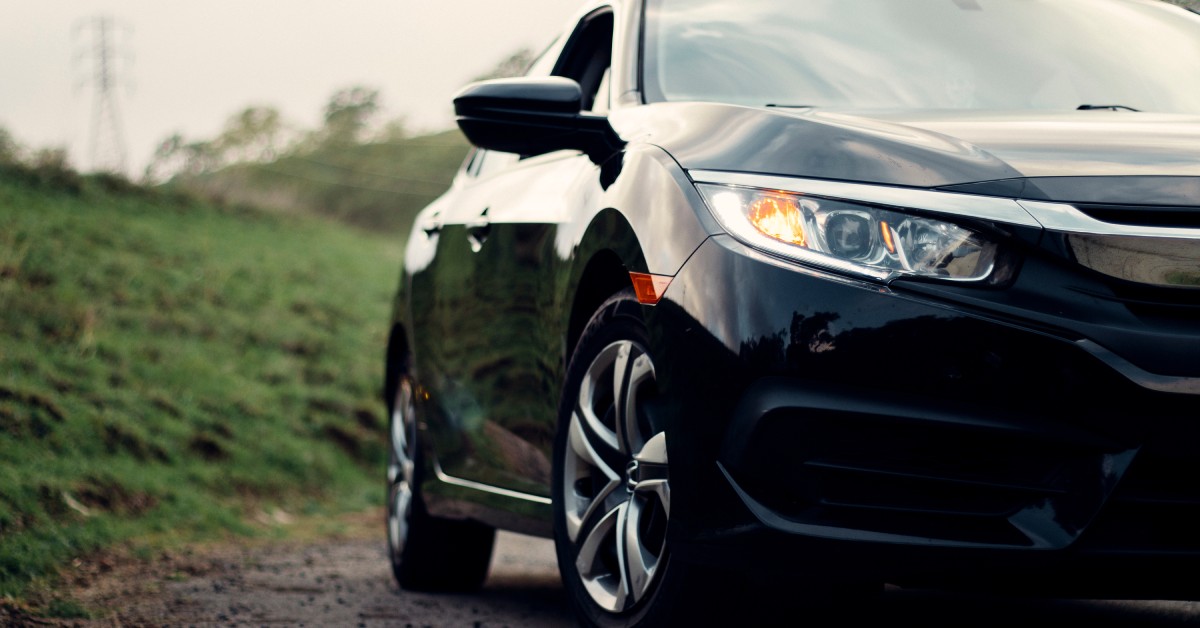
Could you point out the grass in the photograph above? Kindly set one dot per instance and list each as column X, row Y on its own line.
column 168, row 368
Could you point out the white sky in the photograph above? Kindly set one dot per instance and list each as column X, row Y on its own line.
column 196, row 62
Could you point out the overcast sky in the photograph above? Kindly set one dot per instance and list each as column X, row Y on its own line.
column 195, row 63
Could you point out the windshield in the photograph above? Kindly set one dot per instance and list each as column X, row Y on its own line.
column 925, row 54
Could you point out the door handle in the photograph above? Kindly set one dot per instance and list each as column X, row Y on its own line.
column 433, row 225
column 478, row 231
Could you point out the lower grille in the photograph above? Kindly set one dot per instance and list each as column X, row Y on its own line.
column 1156, row 507
column 957, row 482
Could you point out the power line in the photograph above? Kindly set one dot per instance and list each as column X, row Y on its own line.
column 107, row 150
column 440, row 184
column 332, row 181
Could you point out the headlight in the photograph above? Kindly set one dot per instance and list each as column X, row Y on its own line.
column 866, row 241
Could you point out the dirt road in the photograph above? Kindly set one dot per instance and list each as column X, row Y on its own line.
column 342, row 583
column 347, row 583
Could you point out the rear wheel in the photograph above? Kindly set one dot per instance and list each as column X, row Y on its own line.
column 427, row 553
column 612, row 492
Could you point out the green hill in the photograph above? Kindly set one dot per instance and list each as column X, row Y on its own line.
column 170, row 368
column 374, row 185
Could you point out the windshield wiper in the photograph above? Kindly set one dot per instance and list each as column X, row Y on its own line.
column 1105, row 107
column 771, row 104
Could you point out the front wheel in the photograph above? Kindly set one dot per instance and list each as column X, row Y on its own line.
column 612, row 485
column 613, row 510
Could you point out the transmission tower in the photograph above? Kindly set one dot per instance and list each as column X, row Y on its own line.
column 108, row 153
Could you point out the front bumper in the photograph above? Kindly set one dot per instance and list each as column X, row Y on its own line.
column 906, row 436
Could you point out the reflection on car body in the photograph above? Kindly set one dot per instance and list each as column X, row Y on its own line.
column 852, row 293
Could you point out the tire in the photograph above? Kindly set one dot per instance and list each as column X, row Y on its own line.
column 611, row 475
column 592, row 490
column 427, row 553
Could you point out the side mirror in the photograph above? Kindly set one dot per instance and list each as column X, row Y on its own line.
column 532, row 116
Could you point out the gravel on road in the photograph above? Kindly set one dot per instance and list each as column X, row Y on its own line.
column 346, row 581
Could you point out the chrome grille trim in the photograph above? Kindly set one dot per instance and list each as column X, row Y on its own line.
column 1066, row 218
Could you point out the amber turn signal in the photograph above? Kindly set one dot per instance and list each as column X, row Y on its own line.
column 886, row 231
column 649, row 288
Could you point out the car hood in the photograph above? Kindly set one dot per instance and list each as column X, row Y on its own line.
column 1081, row 156
column 1056, row 144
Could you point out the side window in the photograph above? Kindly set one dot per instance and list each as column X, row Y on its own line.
column 474, row 159
column 543, row 65
column 603, row 97
column 587, row 59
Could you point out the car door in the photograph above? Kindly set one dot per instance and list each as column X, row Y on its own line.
column 488, row 339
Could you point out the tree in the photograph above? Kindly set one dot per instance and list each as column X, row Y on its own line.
column 252, row 134
column 349, row 113
column 393, row 130
column 175, row 155
column 10, row 150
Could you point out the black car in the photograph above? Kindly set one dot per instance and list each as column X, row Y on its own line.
column 839, row 291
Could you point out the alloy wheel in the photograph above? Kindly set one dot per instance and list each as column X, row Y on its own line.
column 617, row 495
column 401, row 468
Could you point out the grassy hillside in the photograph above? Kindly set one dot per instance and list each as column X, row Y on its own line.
column 377, row 186
column 168, row 369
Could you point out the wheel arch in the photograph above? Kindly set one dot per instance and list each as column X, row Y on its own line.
column 604, row 275
column 607, row 251
column 397, row 361
column 653, row 220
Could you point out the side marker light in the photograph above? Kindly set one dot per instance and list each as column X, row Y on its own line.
column 649, row 288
